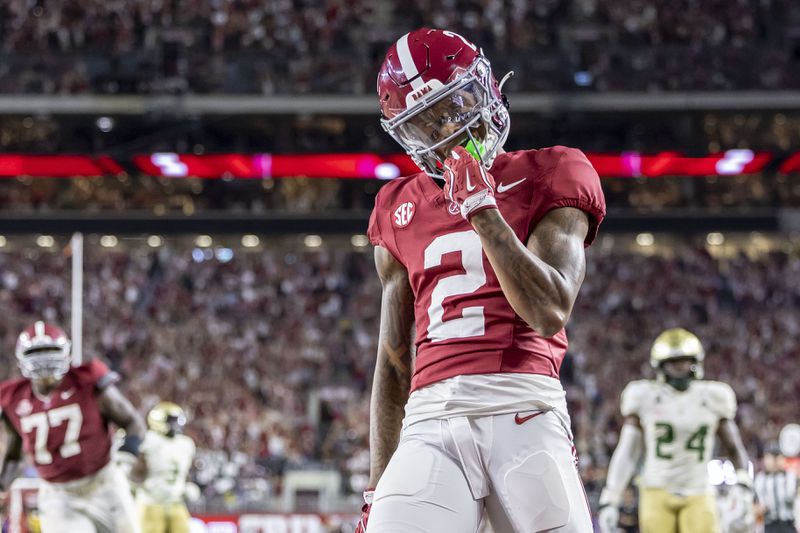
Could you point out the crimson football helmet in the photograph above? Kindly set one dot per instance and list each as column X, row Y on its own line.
column 437, row 91
column 43, row 352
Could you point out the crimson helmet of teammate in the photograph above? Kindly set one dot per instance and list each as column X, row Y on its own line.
column 441, row 70
column 43, row 352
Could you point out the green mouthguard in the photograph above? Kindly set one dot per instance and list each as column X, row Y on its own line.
column 476, row 149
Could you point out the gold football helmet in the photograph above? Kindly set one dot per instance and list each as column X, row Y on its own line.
column 677, row 343
column 166, row 418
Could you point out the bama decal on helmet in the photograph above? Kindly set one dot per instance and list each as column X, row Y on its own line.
column 429, row 87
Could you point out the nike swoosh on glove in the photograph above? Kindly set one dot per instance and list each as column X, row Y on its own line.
column 361, row 527
column 467, row 184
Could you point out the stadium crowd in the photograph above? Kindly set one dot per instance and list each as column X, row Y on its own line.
column 271, row 349
column 334, row 46
column 302, row 195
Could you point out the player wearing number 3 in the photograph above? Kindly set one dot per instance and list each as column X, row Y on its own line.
column 672, row 421
column 61, row 415
column 482, row 255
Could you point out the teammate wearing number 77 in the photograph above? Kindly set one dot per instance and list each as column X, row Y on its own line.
column 482, row 255
column 671, row 421
column 60, row 414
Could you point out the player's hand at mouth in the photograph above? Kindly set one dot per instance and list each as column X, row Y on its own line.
column 467, row 184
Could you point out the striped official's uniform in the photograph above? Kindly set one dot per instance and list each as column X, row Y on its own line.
column 776, row 492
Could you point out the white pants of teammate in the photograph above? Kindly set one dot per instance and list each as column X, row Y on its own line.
column 447, row 472
column 100, row 503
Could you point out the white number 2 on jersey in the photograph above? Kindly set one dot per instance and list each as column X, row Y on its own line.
column 41, row 424
column 471, row 323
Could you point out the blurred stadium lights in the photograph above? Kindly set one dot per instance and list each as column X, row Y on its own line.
column 715, row 238
column 250, row 241
column 105, row 124
column 359, row 241
column 645, row 239
column 108, row 241
column 204, row 241
column 154, row 241
column 45, row 241
column 312, row 241
column 387, row 171
column 223, row 254
column 583, row 78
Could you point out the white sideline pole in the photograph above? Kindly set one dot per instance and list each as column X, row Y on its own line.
column 77, row 298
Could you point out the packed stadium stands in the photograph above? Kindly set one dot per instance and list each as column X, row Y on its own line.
column 270, row 349
column 190, row 197
column 295, row 47
column 265, row 332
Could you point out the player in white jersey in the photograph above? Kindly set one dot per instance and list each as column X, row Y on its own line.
column 671, row 422
column 167, row 456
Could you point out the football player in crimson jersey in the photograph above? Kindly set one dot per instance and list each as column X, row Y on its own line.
column 60, row 415
column 482, row 255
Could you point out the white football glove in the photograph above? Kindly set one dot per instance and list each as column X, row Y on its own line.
column 608, row 519
column 742, row 497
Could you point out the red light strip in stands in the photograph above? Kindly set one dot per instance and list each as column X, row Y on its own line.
column 791, row 164
column 370, row 166
column 173, row 165
column 367, row 166
column 634, row 165
column 57, row 166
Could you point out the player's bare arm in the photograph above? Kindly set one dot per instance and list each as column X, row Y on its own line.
column 732, row 445
column 621, row 469
column 626, row 455
column 393, row 369
column 12, row 456
column 540, row 280
column 115, row 407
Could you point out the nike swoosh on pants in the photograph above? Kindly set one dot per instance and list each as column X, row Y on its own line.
column 522, row 419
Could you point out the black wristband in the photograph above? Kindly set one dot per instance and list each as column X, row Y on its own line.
column 131, row 444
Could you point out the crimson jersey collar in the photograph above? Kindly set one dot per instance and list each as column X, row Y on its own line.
column 65, row 385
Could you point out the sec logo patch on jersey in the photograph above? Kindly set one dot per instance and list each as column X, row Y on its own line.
column 403, row 214
column 24, row 407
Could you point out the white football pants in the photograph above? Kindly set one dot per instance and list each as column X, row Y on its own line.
column 446, row 473
column 100, row 503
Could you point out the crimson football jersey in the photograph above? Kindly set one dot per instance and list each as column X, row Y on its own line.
column 464, row 322
column 65, row 434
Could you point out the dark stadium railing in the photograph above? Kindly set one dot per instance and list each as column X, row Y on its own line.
column 686, row 221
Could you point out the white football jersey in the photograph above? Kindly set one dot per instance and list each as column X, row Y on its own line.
column 168, row 463
column 679, row 430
